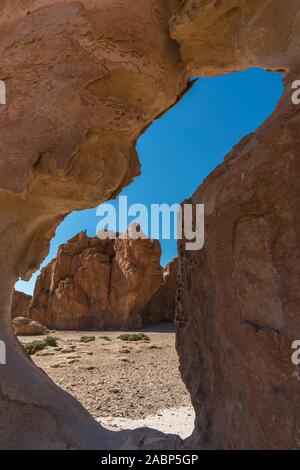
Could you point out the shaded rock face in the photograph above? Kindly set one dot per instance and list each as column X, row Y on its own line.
column 20, row 304
column 238, row 299
column 26, row 327
column 97, row 284
column 161, row 306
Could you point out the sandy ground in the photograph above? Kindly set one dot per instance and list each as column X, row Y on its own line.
column 171, row 421
column 138, row 383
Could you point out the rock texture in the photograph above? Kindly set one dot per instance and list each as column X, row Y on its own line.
column 97, row 284
column 238, row 299
column 161, row 306
column 223, row 36
column 20, row 304
column 84, row 80
column 26, row 327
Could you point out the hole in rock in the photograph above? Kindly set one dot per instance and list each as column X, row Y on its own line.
column 124, row 381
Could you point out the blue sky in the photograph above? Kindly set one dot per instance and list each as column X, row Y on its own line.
column 179, row 150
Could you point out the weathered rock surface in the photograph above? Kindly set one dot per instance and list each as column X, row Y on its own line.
column 97, row 284
column 161, row 306
column 24, row 326
column 20, row 304
column 84, row 80
column 223, row 36
column 238, row 298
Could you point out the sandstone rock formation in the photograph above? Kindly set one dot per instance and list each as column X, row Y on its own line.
column 238, row 299
column 97, row 284
column 26, row 327
column 161, row 306
column 20, row 304
column 84, row 80
column 223, row 36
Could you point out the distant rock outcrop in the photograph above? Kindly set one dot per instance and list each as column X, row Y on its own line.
column 161, row 306
column 97, row 284
column 20, row 304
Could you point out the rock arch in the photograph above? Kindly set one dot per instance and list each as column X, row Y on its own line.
column 84, row 80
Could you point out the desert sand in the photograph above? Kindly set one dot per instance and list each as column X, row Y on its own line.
column 123, row 384
column 170, row 421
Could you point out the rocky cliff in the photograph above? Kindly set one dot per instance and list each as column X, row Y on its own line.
column 238, row 299
column 84, row 80
column 161, row 306
column 97, row 284
column 20, row 304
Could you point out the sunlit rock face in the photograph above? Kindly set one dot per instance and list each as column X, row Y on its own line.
column 223, row 36
column 97, row 284
column 83, row 80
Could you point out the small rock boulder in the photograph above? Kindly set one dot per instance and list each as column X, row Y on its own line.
column 26, row 327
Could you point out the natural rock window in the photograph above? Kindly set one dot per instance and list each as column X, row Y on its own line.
column 83, row 82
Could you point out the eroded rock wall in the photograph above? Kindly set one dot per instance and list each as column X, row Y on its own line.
column 161, row 306
column 20, row 304
column 84, row 80
column 238, row 299
column 223, row 36
column 97, row 284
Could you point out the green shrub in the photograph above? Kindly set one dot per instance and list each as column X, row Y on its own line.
column 134, row 337
column 51, row 341
column 39, row 344
column 87, row 339
column 105, row 338
column 35, row 346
